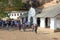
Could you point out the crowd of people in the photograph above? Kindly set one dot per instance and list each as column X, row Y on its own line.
column 8, row 24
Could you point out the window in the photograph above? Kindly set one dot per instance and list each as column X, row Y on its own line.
column 14, row 14
column 17, row 14
column 21, row 14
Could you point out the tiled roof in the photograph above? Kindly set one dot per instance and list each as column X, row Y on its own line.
column 51, row 11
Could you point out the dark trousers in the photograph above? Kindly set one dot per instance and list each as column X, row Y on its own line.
column 35, row 29
column 8, row 27
column 23, row 26
column 20, row 27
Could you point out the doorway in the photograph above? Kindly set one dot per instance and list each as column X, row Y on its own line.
column 47, row 22
column 38, row 21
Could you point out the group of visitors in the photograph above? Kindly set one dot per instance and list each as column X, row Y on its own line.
column 21, row 25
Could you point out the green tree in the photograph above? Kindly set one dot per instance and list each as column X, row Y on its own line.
column 18, row 4
column 10, row 4
column 3, row 14
column 3, row 3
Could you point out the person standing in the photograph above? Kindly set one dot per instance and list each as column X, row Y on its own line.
column 19, row 24
column 3, row 23
column 24, row 24
column 8, row 24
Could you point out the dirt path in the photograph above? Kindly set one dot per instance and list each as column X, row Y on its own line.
column 18, row 35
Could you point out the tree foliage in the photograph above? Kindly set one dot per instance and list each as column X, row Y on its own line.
column 33, row 3
column 17, row 3
column 4, row 4
column 3, row 14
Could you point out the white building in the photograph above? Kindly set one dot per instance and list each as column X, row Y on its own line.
column 16, row 14
column 50, row 17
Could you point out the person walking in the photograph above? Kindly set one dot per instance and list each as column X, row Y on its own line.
column 36, row 27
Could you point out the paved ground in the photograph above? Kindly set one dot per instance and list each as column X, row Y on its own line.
column 18, row 35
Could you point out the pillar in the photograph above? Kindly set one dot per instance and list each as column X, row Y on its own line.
column 29, row 19
column 34, row 20
column 53, row 23
column 42, row 22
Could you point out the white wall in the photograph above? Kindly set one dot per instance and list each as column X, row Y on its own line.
column 42, row 22
column 58, row 21
column 53, row 23
column 12, row 15
column 16, row 12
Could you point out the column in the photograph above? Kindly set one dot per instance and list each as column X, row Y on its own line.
column 34, row 20
column 53, row 23
column 29, row 18
column 42, row 22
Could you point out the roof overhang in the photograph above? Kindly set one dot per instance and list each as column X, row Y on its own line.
column 50, row 11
